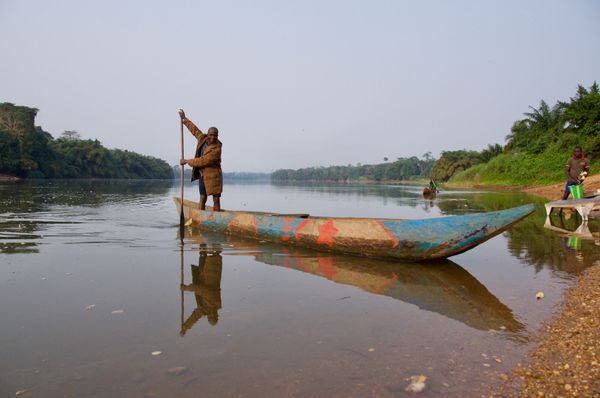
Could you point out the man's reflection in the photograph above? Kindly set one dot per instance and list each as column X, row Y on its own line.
column 206, row 286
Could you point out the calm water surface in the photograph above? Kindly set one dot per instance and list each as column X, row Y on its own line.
column 95, row 277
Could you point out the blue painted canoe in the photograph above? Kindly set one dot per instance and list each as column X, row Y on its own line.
column 408, row 240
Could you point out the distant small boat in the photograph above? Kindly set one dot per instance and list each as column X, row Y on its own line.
column 407, row 240
column 429, row 192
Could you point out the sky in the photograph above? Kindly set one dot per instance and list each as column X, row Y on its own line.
column 295, row 84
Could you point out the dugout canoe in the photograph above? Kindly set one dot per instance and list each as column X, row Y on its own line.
column 407, row 240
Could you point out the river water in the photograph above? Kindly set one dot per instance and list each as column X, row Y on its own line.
column 101, row 296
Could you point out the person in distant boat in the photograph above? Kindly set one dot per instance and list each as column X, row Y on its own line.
column 432, row 185
column 577, row 168
column 206, row 165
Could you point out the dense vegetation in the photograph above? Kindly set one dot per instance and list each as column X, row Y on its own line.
column 28, row 151
column 400, row 170
column 452, row 162
column 537, row 146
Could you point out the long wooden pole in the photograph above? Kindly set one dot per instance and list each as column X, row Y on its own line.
column 181, row 217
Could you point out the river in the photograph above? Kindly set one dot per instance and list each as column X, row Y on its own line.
column 100, row 295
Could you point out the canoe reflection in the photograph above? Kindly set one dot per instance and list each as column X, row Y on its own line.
column 442, row 287
column 206, row 286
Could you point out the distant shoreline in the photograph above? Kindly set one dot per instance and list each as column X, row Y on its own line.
column 6, row 177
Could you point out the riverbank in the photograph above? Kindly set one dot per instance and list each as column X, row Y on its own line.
column 6, row 177
column 566, row 361
column 552, row 192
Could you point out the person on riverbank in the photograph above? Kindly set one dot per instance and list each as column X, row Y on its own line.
column 576, row 169
column 206, row 165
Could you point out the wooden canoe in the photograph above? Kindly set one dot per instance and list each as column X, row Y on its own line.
column 408, row 240
column 428, row 192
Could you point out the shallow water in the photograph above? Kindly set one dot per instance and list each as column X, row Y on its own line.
column 95, row 277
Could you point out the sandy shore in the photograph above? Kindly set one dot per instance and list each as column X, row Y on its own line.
column 554, row 192
column 566, row 362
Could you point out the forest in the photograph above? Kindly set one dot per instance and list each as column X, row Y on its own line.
column 27, row 151
column 401, row 169
column 537, row 146
column 535, row 152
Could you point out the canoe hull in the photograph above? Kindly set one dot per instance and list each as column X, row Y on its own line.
column 407, row 240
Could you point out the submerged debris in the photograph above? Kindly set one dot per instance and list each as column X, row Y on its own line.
column 89, row 307
column 155, row 353
column 118, row 312
column 177, row 370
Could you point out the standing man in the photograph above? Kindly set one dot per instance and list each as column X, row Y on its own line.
column 206, row 165
column 577, row 168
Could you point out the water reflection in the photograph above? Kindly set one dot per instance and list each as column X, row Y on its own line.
column 442, row 287
column 206, row 287
column 29, row 208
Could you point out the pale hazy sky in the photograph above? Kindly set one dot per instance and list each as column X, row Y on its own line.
column 295, row 84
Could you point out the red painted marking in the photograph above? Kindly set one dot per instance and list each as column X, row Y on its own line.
column 254, row 226
column 391, row 235
column 286, row 228
column 326, row 267
column 299, row 227
column 285, row 238
column 326, row 233
column 230, row 224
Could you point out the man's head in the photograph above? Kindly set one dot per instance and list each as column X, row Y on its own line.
column 577, row 152
column 212, row 136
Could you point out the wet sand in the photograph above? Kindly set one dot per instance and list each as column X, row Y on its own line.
column 566, row 362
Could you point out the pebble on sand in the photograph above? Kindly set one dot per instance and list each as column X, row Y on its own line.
column 118, row 312
column 89, row 307
column 539, row 295
column 20, row 392
column 155, row 353
column 417, row 383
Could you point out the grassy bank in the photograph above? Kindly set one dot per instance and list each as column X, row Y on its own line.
column 518, row 169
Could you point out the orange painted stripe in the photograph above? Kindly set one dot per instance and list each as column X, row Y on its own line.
column 299, row 227
column 391, row 235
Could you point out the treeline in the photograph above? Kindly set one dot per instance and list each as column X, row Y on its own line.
column 401, row 169
column 537, row 147
column 233, row 176
column 27, row 151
